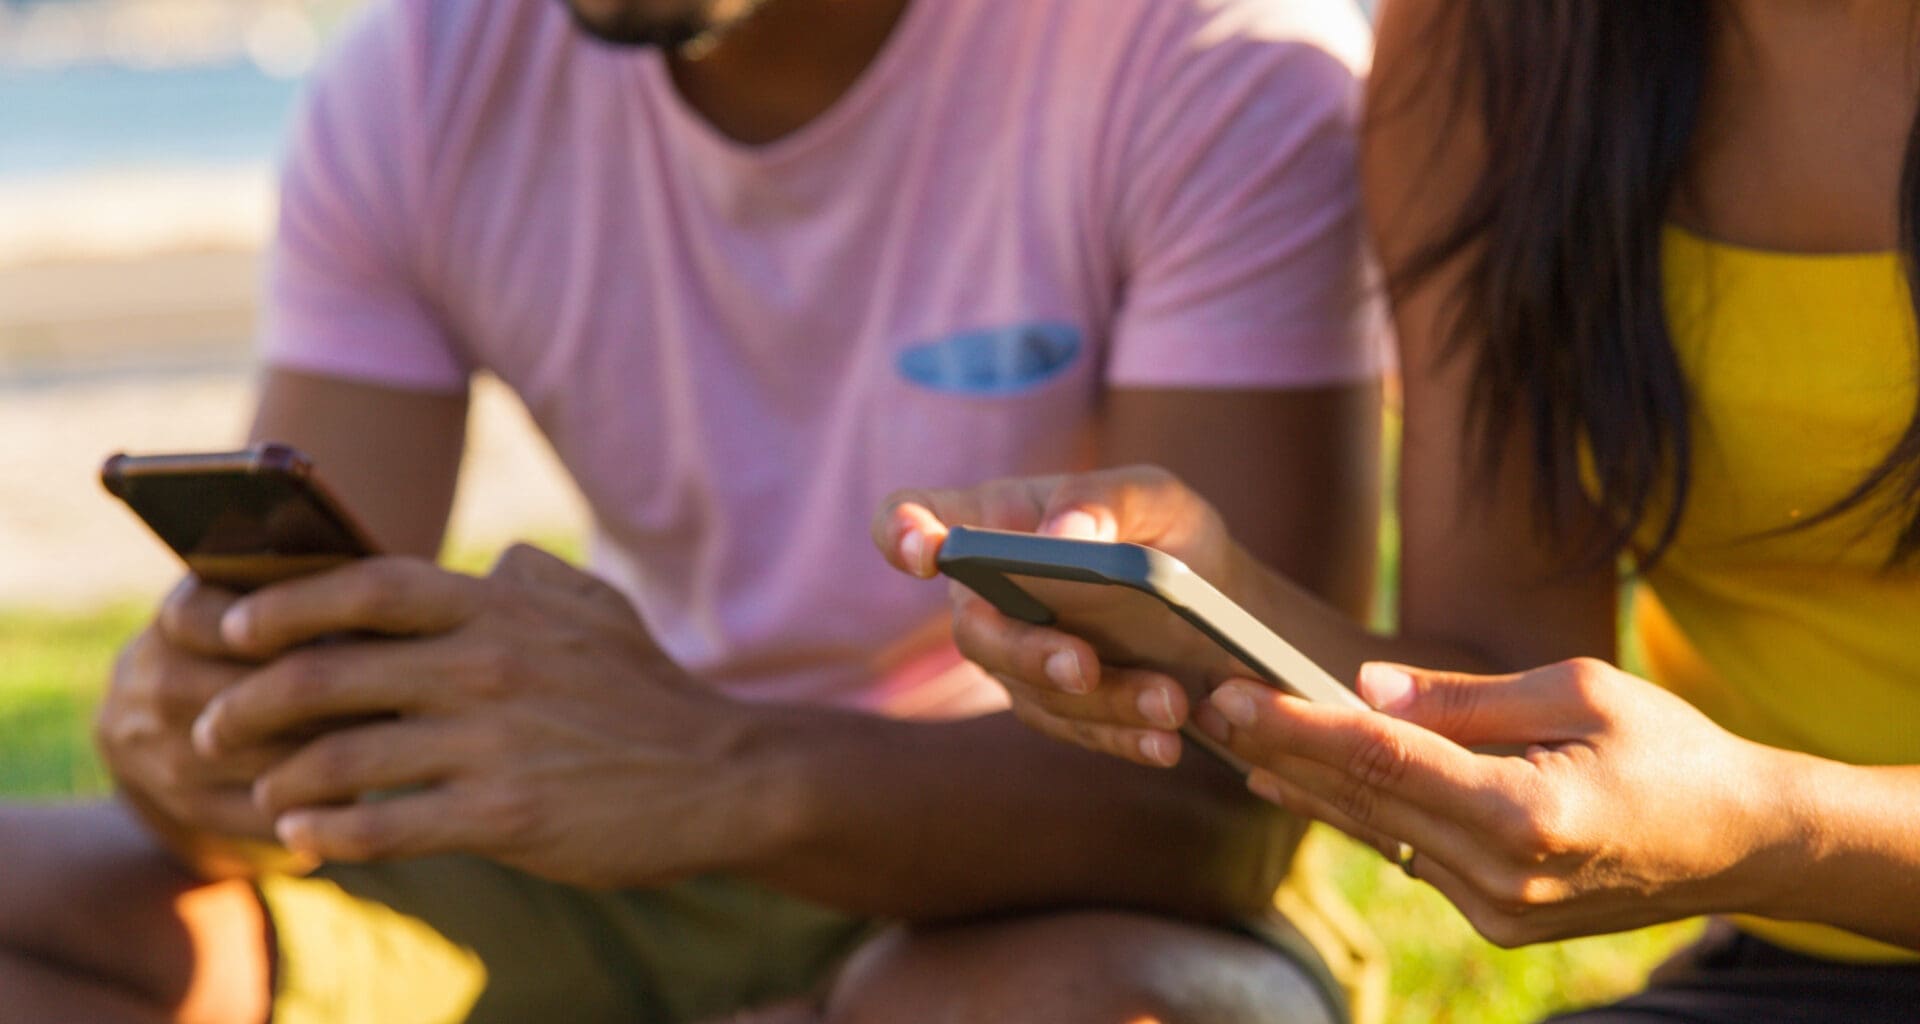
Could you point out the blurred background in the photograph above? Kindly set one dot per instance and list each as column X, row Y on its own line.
column 138, row 140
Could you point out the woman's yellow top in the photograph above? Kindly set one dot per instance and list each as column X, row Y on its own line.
column 1803, row 374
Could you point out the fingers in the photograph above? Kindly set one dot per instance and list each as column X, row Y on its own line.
column 1038, row 657
column 1111, row 720
column 1438, row 846
column 912, row 524
column 317, row 685
column 157, row 680
column 429, row 822
column 228, row 811
column 909, row 534
column 526, row 565
column 190, row 618
column 1140, row 504
column 1060, row 688
column 1545, row 705
column 1380, row 820
column 1373, row 757
column 339, row 767
column 389, row 596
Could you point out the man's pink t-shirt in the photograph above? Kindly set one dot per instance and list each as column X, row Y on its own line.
column 737, row 350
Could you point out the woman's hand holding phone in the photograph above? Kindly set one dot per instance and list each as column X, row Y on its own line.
column 1610, row 804
column 1057, row 682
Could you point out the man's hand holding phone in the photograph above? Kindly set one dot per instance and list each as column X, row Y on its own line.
column 526, row 716
column 202, row 807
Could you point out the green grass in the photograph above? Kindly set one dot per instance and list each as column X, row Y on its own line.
column 53, row 668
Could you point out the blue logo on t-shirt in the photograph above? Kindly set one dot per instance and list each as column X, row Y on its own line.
column 993, row 362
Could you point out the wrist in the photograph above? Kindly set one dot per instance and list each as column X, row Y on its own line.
column 1787, row 834
column 775, row 806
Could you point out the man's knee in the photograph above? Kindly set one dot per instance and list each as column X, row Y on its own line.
column 89, row 894
column 1096, row 967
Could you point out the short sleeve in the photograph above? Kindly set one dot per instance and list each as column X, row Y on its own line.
column 344, row 282
column 1240, row 226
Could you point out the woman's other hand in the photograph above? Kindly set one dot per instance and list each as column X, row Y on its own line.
column 1615, row 804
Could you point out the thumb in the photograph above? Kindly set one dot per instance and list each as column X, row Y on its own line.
column 1141, row 504
column 1468, row 709
column 909, row 532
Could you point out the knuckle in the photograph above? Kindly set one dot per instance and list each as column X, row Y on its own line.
column 1457, row 705
column 329, row 757
column 1539, row 830
column 1516, row 894
column 177, row 692
column 1355, row 799
column 1148, row 474
column 492, row 669
column 1030, row 714
column 982, row 640
column 1501, row 930
column 514, row 818
column 1379, row 763
column 306, row 672
column 358, row 836
column 1586, row 680
column 174, row 769
column 380, row 590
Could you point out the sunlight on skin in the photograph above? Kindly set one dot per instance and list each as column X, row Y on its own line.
column 228, row 930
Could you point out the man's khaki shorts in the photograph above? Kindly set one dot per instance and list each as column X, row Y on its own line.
column 462, row 939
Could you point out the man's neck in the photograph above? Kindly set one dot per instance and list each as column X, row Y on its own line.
column 774, row 72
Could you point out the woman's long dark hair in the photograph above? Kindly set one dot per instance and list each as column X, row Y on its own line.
column 1590, row 108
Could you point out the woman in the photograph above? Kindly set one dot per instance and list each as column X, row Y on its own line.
column 1652, row 269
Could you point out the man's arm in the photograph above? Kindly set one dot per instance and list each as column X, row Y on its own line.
column 540, row 725
column 391, row 455
column 934, row 820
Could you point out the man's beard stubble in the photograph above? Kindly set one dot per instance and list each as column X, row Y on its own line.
column 682, row 23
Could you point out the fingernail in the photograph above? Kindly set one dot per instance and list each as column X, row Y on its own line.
column 292, row 830
column 1157, row 707
column 1215, row 727
column 913, row 551
column 1077, row 525
column 1160, row 748
column 1386, row 687
column 1063, row 668
column 1235, row 706
column 206, row 741
column 236, row 626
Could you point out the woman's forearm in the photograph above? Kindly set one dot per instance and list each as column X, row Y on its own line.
column 1856, row 864
column 1333, row 639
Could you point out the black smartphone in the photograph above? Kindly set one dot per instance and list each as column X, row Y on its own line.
column 241, row 519
column 1138, row 607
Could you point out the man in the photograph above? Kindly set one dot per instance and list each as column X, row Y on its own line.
column 751, row 267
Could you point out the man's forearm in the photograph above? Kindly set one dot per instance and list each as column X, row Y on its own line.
column 943, row 820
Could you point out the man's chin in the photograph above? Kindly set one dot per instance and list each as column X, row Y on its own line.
column 625, row 27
